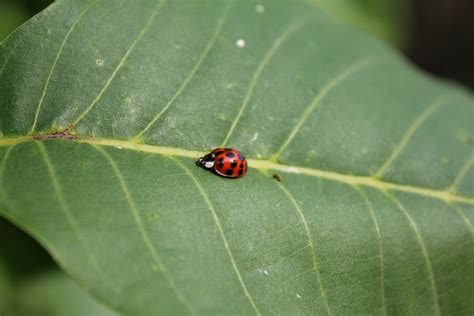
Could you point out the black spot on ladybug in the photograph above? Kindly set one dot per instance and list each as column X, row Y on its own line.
column 230, row 154
column 241, row 165
column 241, row 171
column 219, row 153
column 229, row 172
column 241, row 158
column 233, row 164
column 221, row 162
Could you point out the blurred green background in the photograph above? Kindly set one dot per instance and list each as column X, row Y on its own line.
column 436, row 35
column 14, row 12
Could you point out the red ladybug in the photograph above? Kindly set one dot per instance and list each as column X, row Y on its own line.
column 227, row 162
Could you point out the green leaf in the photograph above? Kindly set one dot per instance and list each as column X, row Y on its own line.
column 50, row 294
column 105, row 105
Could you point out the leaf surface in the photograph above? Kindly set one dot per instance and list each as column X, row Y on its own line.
column 374, row 212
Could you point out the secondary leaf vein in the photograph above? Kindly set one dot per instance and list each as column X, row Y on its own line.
column 423, row 249
column 65, row 207
column 300, row 212
column 266, row 58
column 188, row 79
column 145, row 236
column 380, row 245
column 464, row 169
column 356, row 66
column 55, row 62
column 221, row 232
column 417, row 122
column 122, row 61
column 463, row 217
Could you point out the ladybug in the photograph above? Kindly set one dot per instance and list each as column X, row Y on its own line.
column 227, row 162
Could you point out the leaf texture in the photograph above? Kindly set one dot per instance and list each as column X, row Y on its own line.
column 374, row 212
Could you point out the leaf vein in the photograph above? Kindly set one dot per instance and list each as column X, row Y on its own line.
column 55, row 62
column 7, row 59
column 380, row 244
column 464, row 169
column 331, row 84
column 417, row 122
column 191, row 75
column 2, row 171
column 310, row 237
column 145, row 236
column 65, row 208
column 267, row 165
column 221, row 232
column 463, row 217
column 423, row 249
column 145, row 29
column 264, row 61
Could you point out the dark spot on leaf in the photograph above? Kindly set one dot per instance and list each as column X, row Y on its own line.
column 277, row 177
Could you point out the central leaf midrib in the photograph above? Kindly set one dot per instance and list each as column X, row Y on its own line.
column 262, row 165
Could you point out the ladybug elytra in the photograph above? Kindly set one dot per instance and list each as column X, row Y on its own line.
column 227, row 162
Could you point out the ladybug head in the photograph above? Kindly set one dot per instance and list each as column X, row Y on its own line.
column 206, row 162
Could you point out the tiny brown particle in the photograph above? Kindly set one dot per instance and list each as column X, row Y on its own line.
column 277, row 177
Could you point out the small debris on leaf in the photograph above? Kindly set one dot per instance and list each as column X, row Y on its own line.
column 65, row 134
column 240, row 43
column 277, row 177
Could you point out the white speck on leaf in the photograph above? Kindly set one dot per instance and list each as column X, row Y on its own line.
column 262, row 271
column 99, row 62
column 254, row 138
column 230, row 85
column 292, row 170
column 259, row 8
column 298, row 296
column 240, row 43
column 118, row 147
